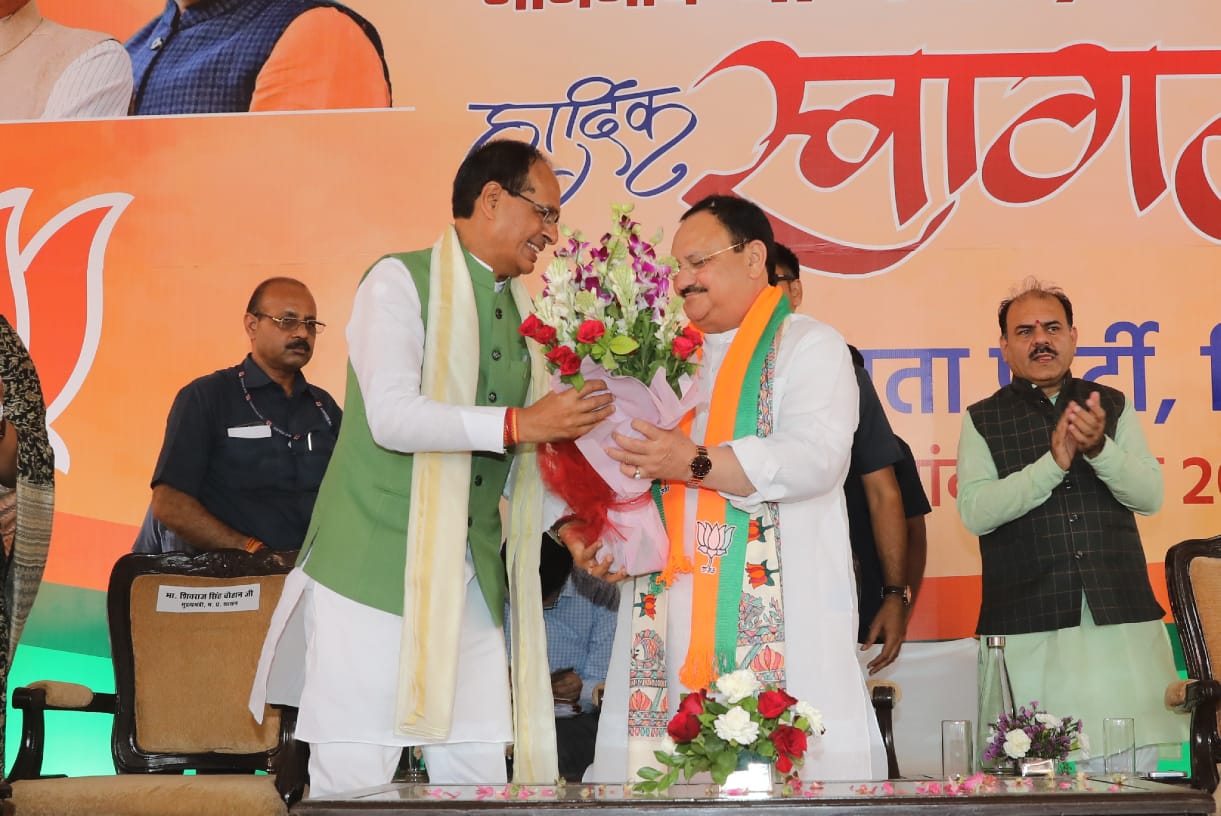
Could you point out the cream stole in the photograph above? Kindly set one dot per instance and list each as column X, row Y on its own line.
column 436, row 538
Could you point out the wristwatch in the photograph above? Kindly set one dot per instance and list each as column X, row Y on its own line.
column 904, row 592
column 700, row 466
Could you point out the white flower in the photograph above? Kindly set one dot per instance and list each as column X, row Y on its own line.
column 812, row 715
column 668, row 744
column 735, row 725
column 1016, row 743
column 737, row 685
column 1050, row 720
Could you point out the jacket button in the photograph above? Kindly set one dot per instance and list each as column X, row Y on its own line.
column 492, row 396
column 470, row 522
column 478, row 480
column 499, row 313
column 1078, row 555
column 1072, row 517
column 495, row 354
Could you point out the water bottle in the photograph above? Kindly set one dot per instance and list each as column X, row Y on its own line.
column 995, row 699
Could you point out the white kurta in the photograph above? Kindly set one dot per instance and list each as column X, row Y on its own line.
column 801, row 466
column 351, row 650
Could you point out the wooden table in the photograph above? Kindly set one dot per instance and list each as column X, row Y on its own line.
column 1007, row 797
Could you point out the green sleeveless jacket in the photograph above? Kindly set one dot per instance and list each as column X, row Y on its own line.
column 357, row 539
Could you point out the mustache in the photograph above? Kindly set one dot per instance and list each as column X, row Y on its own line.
column 691, row 290
column 1042, row 348
column 299, row 344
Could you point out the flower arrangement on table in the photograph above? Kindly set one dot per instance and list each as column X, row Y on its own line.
column 1034, row 734
column 608, row 311
column 740, row 720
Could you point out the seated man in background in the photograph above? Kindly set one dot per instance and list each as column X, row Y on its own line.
column 246, row 447
column 579, row 613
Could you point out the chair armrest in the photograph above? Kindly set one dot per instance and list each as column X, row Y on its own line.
column 36, row 699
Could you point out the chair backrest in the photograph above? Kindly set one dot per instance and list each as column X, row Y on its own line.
column 1193, row 579
column 185, row 633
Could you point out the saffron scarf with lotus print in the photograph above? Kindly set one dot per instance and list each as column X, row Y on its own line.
column 737, row 618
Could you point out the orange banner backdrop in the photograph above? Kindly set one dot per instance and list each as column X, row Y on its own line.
column 921, row 157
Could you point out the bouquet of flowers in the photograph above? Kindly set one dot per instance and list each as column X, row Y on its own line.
column 741, row 719
column 608, row 311
column 1034, row 734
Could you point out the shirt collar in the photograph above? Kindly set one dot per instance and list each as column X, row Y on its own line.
column 258, row 378
column 199, row 12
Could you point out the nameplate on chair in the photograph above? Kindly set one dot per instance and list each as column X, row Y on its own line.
column 239, row 598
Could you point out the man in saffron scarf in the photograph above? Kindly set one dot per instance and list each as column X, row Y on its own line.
column 760, row 568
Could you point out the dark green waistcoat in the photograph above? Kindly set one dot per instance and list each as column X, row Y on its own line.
column 357, row 538
column 1081, row 540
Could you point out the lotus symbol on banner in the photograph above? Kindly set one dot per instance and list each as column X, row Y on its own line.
column 713, row 541
column 54, row 296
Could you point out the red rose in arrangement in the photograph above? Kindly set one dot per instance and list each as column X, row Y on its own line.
column 529, row 327
column 683, row 348
column 774, row 703
column 693, row 703
column 590, row 331
column 684, row 727
column 565, row 359
column 790, row 743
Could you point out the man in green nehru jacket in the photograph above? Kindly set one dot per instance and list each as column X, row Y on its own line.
column 400, row 582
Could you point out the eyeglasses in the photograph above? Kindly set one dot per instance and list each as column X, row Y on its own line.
column 549, row 215
column 290, row 324
column 699, row 263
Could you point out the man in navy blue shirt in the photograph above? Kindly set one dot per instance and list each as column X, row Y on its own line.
column 246, row 447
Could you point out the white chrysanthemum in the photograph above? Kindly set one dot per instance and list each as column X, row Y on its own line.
column 735, row 725
column 1050, row 720
column 737, row 685
column 812, row 715
column 1016, row 743
column 668, row 744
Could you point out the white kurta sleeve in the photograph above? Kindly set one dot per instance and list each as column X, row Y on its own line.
column 386, row 348
column 815, row 410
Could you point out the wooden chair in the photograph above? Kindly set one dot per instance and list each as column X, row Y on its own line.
column 1193, row 578
column 185, row 633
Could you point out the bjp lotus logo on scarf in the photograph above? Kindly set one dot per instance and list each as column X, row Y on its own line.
column 713, row 541
column 54, row 296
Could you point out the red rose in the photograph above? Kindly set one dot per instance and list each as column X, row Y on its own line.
column 589, row 331
column 784, row 764
column 537, row 330
column 545, row 334
column 530, row 326
column 693, row 334
column 790, row 742
column 683, row 347
column 775, row 703
column 693, row 703
column 565, row 359
column 684, row 727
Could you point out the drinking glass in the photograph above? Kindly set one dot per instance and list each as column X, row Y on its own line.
column 957, row 754
column 1119, row 735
